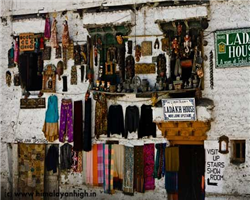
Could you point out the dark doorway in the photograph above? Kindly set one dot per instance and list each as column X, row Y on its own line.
column 30, row 69
column 192, row 168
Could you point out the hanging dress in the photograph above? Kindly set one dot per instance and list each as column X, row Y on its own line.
column 47, row 29
column 65, row 35
column 50, row 127
column 53, row 39
column 16, row 52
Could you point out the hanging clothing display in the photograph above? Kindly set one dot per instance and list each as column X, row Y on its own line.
column 146, row 125
column 66, row 124
column 95, row 165
column 47, row 28
column 115, row 120
column 159, row 161
column 78, row 126
column 89, row 167
column 65, row 156
column 16, row 52
column 50, row 127
column 128, row 182
column 77, row 161
column 65, row 35
column 51, row 160
column 149, row 180
column 139, row 169
column 100, row 163
column 101, row 123
column 118, row 166
column 87, row 135
column 172, row 159
column 131, row 119
column 53, row 39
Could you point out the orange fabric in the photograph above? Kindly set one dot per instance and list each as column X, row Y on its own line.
column 95, row 164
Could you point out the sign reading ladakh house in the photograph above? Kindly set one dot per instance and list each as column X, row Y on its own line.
column 179, row 109
column 232, row 48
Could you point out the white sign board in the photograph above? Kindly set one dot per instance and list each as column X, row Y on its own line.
column 182, row 109
column 215, row 166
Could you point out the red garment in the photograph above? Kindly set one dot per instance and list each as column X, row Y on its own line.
column 16, row 52
column 41, row 43
column 149, row 181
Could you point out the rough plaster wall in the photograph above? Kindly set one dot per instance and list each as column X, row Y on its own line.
column 230, row 94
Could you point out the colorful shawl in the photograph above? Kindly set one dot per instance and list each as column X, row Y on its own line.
column 100, row 163
column 118, row 165
column 159, row 162
column 77, row 161
column 172, row 159
column 106, row 168
column 149, row 166
column 89, row 174
column 139, row 169
column 128, row 182
column 171, row 182
column 109, row 169
column 95, row 167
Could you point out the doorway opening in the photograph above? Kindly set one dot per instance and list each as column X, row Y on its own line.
column 191, row 172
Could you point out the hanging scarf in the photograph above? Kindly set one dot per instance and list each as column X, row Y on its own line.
column 118, row 165
column 89, row 174
column 139, row 169
column 106, row 168
column 95, row 165
column 159, row 162
column 100, row 163
column 47, row 29
column 53, row 39
column 128, row 183
column 16, row 53
column 149, row 166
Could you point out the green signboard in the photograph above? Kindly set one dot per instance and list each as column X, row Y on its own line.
column 232, row 48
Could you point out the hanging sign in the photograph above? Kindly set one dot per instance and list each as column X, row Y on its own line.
column 232, row 48
column 26, row 42
column 179, row 109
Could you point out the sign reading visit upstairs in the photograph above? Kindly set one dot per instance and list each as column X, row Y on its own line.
column 232, row 48
column 179, row 109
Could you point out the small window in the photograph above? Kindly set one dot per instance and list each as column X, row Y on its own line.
column 238, row 153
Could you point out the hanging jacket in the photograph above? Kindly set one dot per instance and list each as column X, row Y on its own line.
column 52, row 115
column 131, row 119
column 65, row 156
column 52, row 159
column 115, row 120
column 146, row 125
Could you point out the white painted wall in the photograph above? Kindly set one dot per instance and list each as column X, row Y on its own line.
column 230, row 95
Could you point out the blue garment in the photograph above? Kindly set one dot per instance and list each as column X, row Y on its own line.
column 52, row 115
